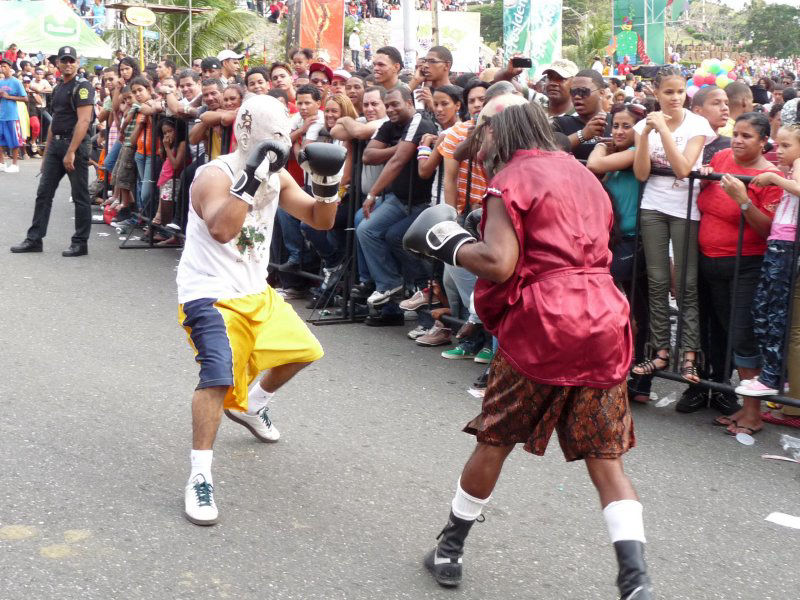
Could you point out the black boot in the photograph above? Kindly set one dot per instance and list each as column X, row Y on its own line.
column 444, row 561
column 633, row 582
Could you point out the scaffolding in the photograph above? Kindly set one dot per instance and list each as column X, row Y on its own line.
column 165, row 41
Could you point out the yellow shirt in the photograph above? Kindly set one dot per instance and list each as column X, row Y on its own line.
column 727, row 131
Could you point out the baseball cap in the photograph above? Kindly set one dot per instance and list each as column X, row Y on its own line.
column 26, row 80
column 226, row 54
column 210, row 63
column 5, row 60
column 67, row 52
column 322, row 68
column 340, row 74
column 564, row 68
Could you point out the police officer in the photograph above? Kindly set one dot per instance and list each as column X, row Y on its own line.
column 66, row 152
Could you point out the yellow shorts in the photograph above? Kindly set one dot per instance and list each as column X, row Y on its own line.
column 235, row 339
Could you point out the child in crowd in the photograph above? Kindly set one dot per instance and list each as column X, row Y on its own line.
column 124, row 174
column 173, row 151
column 143, row 138
column 614, row 161
column 771, row 301
column 96, row 158
column 672, row 138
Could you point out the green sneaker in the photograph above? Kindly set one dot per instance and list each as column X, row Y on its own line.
column 485, row 356
column 457, row 352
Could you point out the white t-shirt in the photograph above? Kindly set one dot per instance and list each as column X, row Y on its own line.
column 667, row 194
column 312, row 134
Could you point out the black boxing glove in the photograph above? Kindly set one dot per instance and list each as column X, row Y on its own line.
column 323, row 162
column 435, row 233
column 472, row 222
column 265, row 158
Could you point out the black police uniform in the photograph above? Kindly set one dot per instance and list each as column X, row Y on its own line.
column 66, row 99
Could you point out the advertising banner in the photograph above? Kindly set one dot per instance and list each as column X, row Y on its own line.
column 535, row 34
column 639, row 30
column 322, row 29
column 458, row 31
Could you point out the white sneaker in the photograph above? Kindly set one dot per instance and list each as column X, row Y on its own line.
column 259, row 424
column 12, row 169
column 378, row 298
column 3, row 167
column 198, row 501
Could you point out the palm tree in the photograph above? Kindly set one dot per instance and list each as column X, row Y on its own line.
column 220, row 26
column 592, row 40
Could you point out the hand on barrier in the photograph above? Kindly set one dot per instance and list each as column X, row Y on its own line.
column 435, row 233
column 266, row 157
column 323, row 162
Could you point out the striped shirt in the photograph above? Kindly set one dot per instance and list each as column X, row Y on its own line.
column 457, row 134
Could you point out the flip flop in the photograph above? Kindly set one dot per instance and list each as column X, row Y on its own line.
column 748, row 430
column 719, row 423
column 790, row 421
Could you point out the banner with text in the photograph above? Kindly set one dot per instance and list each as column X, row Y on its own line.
column 535, row 34
column 322, row 29
column 458, row 31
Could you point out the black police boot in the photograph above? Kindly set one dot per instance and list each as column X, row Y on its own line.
column 724, row 402
column 444, row 561
column 27, row 246
column 633, row 582
column 362, row 290
column 76, row 250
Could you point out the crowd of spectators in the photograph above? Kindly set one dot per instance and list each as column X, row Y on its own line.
column 409, row 136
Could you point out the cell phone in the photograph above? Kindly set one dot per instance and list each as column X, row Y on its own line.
column 520, row 62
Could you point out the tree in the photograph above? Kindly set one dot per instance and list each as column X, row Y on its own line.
column 773, row 29
column 589, row 42
column 491, row 22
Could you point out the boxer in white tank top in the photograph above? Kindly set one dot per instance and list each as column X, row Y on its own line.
column 237, row 325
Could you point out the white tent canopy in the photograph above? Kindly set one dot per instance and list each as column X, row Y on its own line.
column 46, row 25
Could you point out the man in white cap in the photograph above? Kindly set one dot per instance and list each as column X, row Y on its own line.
column 354, row 42
column 230, row 66
column 559, row 78
column 237, row 325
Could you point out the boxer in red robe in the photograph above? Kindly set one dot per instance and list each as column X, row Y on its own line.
column 563, row 329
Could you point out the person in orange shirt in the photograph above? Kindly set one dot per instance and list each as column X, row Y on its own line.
column 142, row 91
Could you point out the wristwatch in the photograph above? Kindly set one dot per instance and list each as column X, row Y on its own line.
column 581, row 139
column 745, row 206
column 369, row 197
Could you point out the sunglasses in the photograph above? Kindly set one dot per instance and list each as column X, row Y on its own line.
column 67, row 60
column 581, row 92
column 321, row 80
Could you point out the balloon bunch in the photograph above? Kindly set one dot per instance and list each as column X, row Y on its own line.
column 712, row 71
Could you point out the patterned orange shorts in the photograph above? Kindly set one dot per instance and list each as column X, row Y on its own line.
column 591, row 422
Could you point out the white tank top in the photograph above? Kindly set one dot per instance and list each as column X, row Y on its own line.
column 209, row 269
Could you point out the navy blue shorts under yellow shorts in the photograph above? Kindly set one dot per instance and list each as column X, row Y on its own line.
column 235, row 339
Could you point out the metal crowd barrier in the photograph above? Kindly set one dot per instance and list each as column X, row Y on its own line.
column 673, row 373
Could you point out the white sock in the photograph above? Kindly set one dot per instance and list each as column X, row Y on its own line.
column 201, row 464
column 257, row 398
column 624, row 521
column 465, row 506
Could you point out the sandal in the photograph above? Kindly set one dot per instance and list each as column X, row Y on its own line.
column 723, row 421
column 689, row 370
column 649, row 366
column 748, row 430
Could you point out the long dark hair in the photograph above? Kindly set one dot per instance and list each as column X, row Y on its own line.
column 131, row 62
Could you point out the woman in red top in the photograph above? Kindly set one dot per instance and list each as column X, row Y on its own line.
column 564, row 341
column 722, row 205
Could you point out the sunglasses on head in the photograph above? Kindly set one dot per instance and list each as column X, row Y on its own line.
column 581, row 92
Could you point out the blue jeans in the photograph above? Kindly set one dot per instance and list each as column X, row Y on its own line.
column 330, row 245
column 363, row 269
column 144, row 183
column 292, row 236
column 771, row 307
column 381, row 239
column 111, row 157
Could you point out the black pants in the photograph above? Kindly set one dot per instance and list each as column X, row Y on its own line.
column 717, row 275
column 52, row 172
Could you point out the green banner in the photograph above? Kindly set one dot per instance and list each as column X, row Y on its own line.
column 536, row 35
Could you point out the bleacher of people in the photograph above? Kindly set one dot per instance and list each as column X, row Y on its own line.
column 411, row 143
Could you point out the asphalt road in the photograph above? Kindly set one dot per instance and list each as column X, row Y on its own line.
column 95, row 435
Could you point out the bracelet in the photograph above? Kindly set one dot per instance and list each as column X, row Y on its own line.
column 424, row 150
